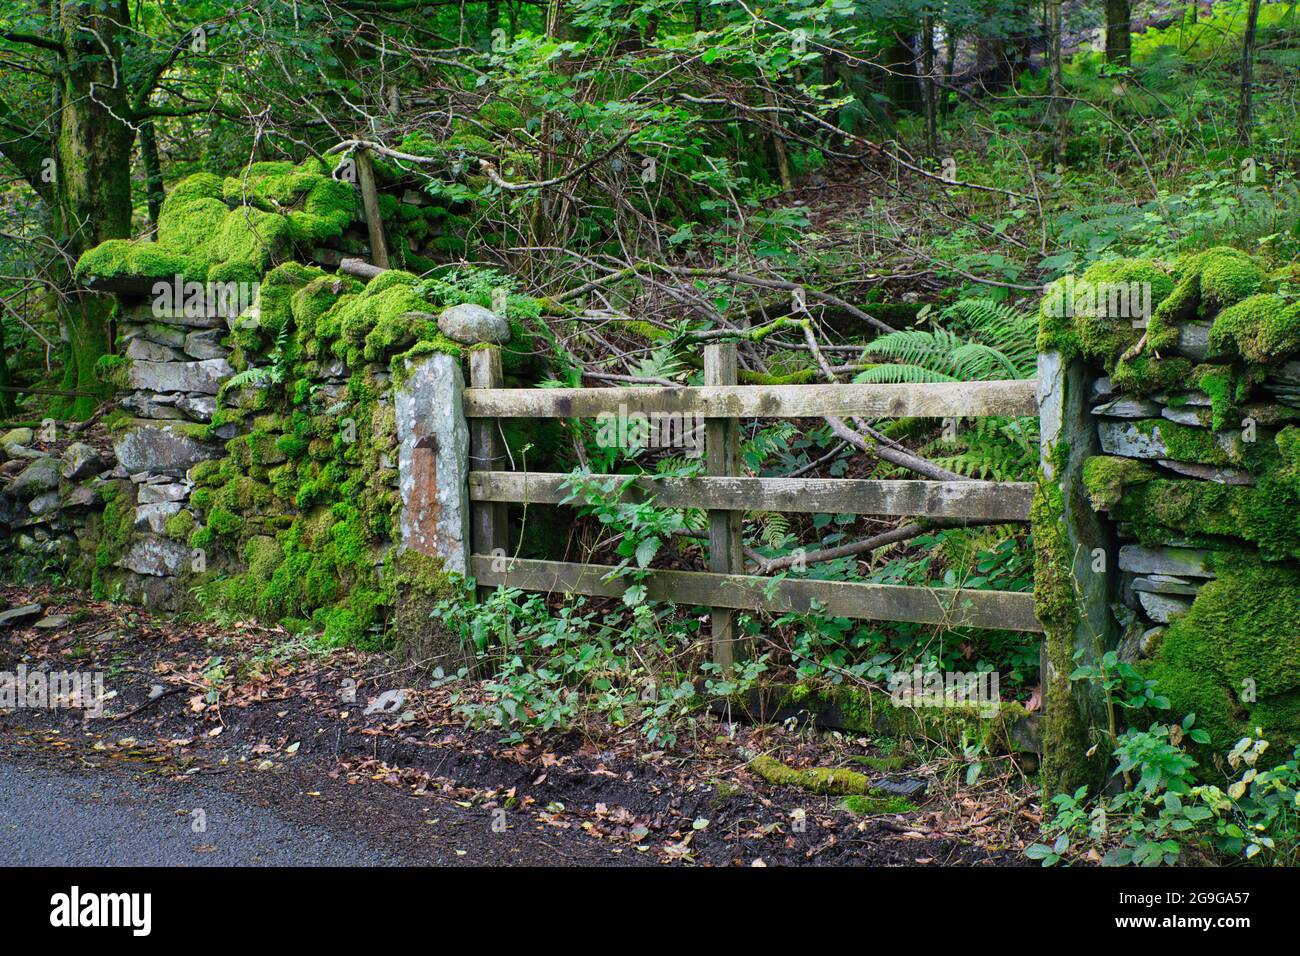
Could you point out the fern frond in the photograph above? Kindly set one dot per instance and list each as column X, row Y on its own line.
column 1010, row 331
column 901, row 375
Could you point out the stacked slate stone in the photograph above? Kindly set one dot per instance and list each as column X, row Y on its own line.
column 1197, row 417
column 177, row 358
column 49, row 502
column 1161, row 575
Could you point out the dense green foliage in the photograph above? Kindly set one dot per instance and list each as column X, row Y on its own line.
column 880, row 191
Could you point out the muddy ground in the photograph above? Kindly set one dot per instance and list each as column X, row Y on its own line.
column 250, row 710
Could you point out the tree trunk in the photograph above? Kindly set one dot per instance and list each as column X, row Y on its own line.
column 1057, row 104
column 949, row 64
column 93, row 165
column 153, row 176
column 927, row 68
column 1119, row 39
column 7, row 404
column 902, row 85
column 1244, row 120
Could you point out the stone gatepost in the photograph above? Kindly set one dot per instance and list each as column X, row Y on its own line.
column 1074, row 578
column 433, row 435
column 433, row 460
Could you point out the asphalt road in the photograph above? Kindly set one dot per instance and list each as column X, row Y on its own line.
column 52, row 818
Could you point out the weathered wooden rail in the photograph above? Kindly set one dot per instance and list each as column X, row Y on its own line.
column 726, row 495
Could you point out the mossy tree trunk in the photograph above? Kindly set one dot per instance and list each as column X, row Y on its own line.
column 153, row 176
column 78, row 160
column 92, row 188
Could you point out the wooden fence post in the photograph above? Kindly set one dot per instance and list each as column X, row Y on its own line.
column 487, row 518
column 726, row 551
column 370, row 203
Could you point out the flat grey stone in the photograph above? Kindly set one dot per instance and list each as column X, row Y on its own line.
column 168, row 335
column 206, row 344
column 17, row 436
column 204, row 377
column 198, row 408
column 40, row 476
column 471, row 324
column 1100, row 389
column 1120, row 437
column 908, row 787
column 151, row 312
column 141, row 349
column 159, row 448
column 44, row 504
column 1288, row 374
column 1128, row 408
column 154, row 493
column 82, row 496
column 1194, row 340
column 155, row 556
column 1162, row 607
column 1223, row 476
column 19, row 451
column 81, row 461
column 20, row 615
column 1187, row 415
column 53, row 622
column 1180, row 562
column 1165, row 584
column 148, row 405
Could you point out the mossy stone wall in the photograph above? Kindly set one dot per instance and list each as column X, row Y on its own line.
column 1196, row 411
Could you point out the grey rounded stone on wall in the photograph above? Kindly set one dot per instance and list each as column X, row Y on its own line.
column 472, row 324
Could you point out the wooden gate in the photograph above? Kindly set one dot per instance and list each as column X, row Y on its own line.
column 726, row 495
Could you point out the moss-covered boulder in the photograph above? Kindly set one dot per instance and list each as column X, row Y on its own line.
column 210, row 231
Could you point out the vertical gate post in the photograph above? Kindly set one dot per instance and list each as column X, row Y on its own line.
column 432, row 460
column 487, row 518
column 726, row 551
column 370, row 203
column 1074, row 579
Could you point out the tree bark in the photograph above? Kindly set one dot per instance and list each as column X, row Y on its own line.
column 1244, row 111
column 1057, row 104
column 1119, row 38
column 927, row 69
column 153, row 176
column 93, row 185
column 902, row 85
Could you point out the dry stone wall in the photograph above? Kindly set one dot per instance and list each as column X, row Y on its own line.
column 253, row 462
column 1192, row 428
